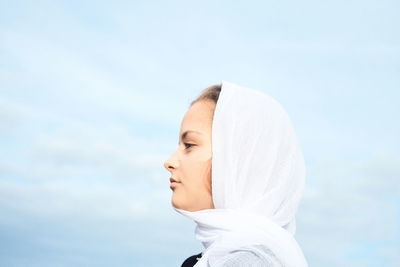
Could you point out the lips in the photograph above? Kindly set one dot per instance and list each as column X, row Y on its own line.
column 172, row 180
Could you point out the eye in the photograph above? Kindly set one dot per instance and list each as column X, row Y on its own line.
column 187, row 145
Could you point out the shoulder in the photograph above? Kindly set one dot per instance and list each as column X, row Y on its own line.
column 192, row 260
column 241, row 258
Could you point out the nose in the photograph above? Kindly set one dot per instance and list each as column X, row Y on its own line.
column 170, row 164
column 167, row 165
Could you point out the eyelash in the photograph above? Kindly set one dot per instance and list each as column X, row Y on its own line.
column 188, row 144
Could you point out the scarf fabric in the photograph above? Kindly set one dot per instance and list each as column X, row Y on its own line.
column 258, row 176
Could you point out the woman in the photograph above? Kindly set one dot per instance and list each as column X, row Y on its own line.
column 239, row 174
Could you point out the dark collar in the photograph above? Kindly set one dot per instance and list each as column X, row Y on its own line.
column 192, row 260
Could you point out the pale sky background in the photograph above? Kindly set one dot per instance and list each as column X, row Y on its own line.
column 92, row 94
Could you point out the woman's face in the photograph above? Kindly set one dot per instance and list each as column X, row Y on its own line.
column 190, row 164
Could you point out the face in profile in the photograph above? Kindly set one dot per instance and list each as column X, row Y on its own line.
column 190, row 164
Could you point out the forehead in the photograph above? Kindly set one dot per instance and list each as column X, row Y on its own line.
column 198, row 117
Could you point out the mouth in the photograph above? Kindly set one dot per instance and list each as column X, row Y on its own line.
column 172, row 180
column 173, row 183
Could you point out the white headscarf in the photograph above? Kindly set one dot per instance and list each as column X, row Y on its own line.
column 258, row 176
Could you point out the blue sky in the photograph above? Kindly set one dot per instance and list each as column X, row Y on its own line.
column 91, row 98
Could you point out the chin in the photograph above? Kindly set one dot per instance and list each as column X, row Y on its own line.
column 175, row 201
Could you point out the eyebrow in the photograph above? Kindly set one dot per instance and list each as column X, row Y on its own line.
column 184, row 135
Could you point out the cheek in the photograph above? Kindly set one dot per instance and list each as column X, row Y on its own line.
column 192, row 170
column 197, row 171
